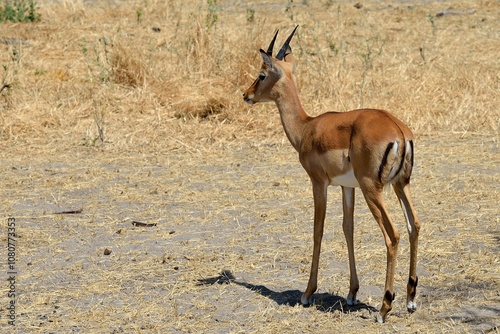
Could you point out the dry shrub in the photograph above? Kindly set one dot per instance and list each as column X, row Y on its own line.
column 212, row 108
column 126, row 68
column 165, row 92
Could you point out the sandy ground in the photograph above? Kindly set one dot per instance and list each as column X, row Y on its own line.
column 231, row 242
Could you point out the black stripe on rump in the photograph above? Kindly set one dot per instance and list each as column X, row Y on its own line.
column 411, row 146
column 401, row 163
column 384, row 160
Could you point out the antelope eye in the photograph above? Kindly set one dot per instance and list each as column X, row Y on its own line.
column 262, row 76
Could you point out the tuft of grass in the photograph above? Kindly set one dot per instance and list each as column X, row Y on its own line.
column 126, row 68
column 19, row 11
column 250, row 15
column 98, row 60
column 138, row 14
column 373, row 50
column 213, row 107
column 108, row 62
column 432, row 20
column 212, row 14
column 97, row 136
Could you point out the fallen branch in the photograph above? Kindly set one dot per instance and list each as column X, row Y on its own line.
column 454, row 12
column 137, row 223
column 69, row 212
column 4, row 85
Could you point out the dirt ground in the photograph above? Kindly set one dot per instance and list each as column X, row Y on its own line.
column 169, row 223
column 245, row 211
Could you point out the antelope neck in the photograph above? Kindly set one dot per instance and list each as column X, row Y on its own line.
column 293, row 116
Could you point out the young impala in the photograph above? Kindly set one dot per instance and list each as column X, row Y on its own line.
column 364, row 148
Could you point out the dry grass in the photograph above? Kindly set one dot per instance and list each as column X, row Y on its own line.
column 142, row 119
column 436, row 73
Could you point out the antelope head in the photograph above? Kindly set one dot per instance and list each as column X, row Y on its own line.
column 271, row 72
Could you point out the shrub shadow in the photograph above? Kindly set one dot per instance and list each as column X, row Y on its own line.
column 324, row 302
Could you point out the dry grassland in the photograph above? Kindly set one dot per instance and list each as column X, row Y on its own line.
column 123, row 111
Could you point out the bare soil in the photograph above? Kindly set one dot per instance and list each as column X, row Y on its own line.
column 231, row 244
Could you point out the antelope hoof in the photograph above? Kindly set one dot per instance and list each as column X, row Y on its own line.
column 306, row 301
column 351, row 300
column 380, row 318
column 411, row 306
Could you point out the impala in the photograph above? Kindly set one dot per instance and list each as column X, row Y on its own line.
column 366, row 148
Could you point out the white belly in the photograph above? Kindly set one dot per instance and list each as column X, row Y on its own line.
column 346, row 180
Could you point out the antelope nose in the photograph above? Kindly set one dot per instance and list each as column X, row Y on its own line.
column 247, row 99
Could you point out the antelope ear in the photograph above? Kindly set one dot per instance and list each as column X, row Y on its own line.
column 289, row 56
column 266, row 59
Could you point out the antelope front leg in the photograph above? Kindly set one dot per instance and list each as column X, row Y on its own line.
column 319, row 193
column 348, row 227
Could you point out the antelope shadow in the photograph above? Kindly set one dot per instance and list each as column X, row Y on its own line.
column 324, row 302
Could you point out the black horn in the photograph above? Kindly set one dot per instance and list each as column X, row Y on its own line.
column 271, row 45
column 281, row 54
